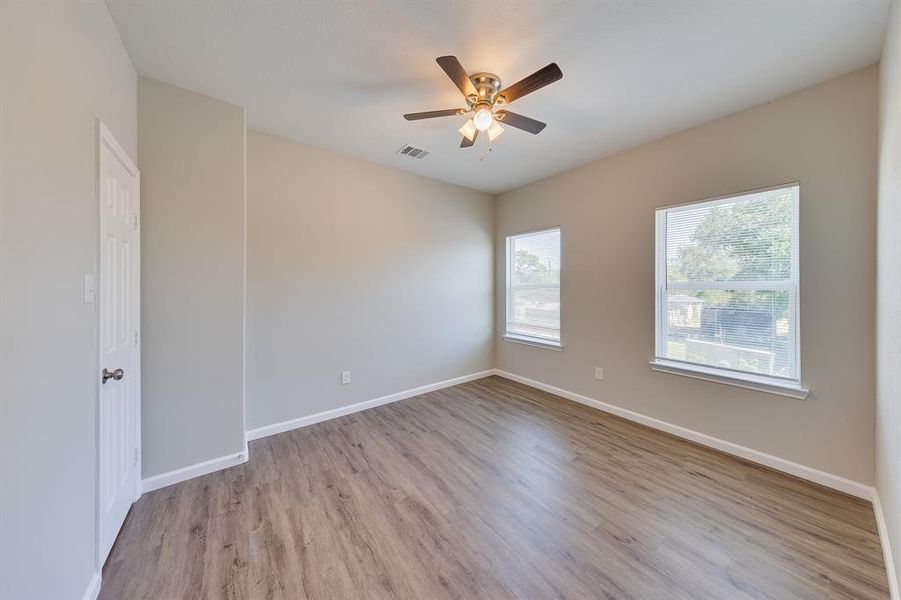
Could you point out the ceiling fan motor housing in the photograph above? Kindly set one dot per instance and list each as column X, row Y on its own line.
column 487, row 85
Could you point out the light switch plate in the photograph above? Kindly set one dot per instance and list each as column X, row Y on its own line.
column 345, row 377
column 598, row 373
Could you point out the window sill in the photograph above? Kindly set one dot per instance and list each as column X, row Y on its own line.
column 751, row 382
column 547, row 345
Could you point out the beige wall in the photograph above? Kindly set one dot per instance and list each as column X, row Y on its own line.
column 355, row 266
column 191, row 156
column 888, row 303
column 824, row 137
column 63, row 66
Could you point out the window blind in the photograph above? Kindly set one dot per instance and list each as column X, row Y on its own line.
column 533, row 285
column 727, row 283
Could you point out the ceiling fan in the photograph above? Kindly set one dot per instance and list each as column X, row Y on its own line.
column 483, row 94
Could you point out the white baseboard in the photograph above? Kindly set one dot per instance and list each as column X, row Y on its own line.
column 93, row 588
column 223, row 462
column 267, row 430
column 886, row 547
column 827, row 479
column 196, row 470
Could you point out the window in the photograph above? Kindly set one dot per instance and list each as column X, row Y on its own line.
column 533, row 287
column 727, row 290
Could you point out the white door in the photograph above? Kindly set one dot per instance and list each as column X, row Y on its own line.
column 119, row 317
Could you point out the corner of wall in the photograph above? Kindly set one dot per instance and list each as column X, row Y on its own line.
column 193, row 166
column 888, row 301
column 495, row 299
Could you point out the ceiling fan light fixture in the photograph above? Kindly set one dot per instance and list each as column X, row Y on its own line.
column 483, row 119
column 494, row 131
column 484, row 92
column 469, row 130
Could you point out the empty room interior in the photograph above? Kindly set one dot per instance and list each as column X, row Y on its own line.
column 412, row 300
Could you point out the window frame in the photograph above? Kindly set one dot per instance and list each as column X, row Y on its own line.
column 536, row 342
column 784, row 386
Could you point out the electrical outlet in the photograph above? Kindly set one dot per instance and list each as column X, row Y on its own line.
column 345, row 377
column 598, row 373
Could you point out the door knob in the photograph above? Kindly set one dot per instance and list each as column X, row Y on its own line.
column 117, row 375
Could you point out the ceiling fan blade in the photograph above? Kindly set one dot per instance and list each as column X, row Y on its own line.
column 450, row 112
column 458, row 75
column 467, row 143
column 535, row 81
column 520, row 122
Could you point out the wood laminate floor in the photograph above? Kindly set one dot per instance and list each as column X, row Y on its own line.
column 492, row 489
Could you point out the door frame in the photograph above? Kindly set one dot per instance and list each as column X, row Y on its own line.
column 105, row 138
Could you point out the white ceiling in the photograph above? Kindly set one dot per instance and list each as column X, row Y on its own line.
column 339, row 75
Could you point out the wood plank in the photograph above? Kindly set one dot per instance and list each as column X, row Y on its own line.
column 493, row 489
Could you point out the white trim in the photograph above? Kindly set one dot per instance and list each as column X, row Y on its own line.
column 191, row 471
column 529, row 232
column 737, row 379
column 725, row 197
column 835, row 482
column 508, row 296
column 536, row 342
column 275, row 428
column 660, row 324
column 882, row 527
column 93, row 590
column 790, row 286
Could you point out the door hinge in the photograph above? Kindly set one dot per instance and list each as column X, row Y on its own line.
column 136, row 222
column 136, row 338
column 134, row 458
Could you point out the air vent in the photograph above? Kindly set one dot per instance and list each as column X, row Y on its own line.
column 413, row 152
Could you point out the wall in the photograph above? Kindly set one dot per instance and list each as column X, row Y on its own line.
column 888, row 294
column 191, row 156
column 355, row 266
column 824, row 137
column 63, row 66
